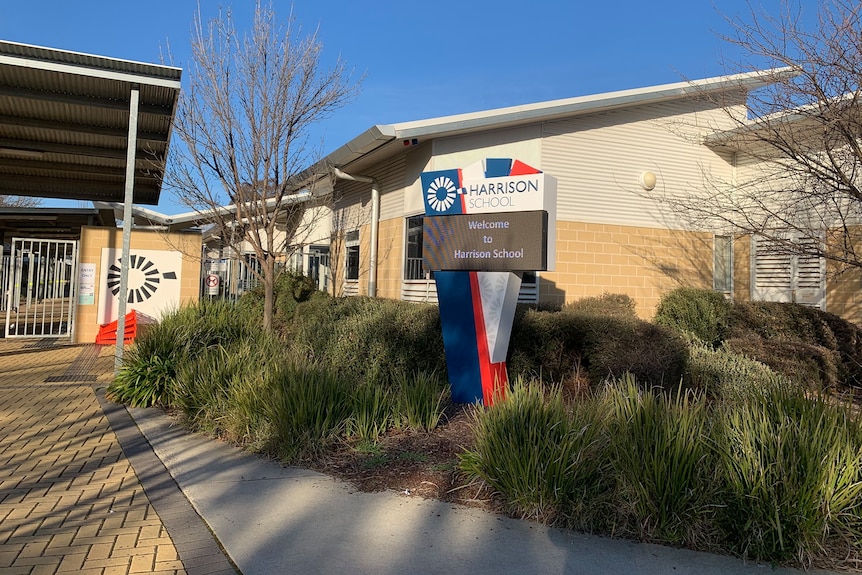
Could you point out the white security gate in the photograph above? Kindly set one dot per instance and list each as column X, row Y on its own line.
column 787, row 277
column 40, row 295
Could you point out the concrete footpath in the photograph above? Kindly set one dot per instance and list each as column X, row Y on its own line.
column 89, row 487
column 274, row 519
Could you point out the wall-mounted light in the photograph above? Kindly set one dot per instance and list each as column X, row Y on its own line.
column 647, row 180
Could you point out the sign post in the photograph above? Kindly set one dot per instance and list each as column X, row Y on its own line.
column 484, row 225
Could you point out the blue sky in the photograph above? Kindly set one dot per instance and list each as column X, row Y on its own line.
column 427, row 59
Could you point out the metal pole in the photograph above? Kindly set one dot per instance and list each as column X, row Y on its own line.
column 131, row 148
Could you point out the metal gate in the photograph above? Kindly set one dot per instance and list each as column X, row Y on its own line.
column 40, row 288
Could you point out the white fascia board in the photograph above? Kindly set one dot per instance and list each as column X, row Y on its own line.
column 784, row 117
column 190, row 219
column 583, row 104
column 90, row 72
column 364, row 143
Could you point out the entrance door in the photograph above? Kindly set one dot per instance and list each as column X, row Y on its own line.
column 787, row 277
column 41, row 288
column 318, row 267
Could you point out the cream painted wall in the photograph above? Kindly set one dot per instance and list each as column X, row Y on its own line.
column 598, row 159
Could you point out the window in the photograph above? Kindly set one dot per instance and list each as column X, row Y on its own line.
column 722, row 274
column 352, row 240
column 413, row 262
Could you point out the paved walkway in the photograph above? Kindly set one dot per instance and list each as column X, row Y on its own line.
column 70, row 501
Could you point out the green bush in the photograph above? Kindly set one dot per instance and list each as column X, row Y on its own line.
column 810, row 366
column 701, row 312
column 725, row 374
column 612, row 304
column 544, row 345
column 289, row 289
column 790, row 465
column 798, row 342
column 546, row 464
column 654, row 355
column 369, row 338
column 557, row 345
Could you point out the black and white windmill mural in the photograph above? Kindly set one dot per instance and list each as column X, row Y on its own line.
column 154, row 283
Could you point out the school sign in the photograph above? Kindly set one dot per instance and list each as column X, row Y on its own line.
column 484, row 225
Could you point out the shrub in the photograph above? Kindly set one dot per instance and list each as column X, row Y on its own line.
column 725, row 374
column 618, row 305
column 546, row 464
column 389, row 336
column 544, row 344
column 663, row 463
column 653, row 355
column 811, row 366
column 701, row 312
column 791, row 471
column 289, row 289
column 798, row 341
column 554, row 346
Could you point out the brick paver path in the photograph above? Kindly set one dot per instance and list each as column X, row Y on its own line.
column 69, row 499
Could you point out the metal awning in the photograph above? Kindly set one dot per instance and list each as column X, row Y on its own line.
column 50, row 223
column 64, row 124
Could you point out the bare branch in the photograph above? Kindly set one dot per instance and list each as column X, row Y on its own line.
column 243, row 127
column 797, row 147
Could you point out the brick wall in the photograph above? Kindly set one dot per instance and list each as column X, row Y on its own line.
column 641, row 262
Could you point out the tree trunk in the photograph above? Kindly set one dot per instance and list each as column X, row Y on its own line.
column 268, row 291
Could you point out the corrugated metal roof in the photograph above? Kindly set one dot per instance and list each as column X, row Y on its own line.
column 89, row 61
column 64, row 119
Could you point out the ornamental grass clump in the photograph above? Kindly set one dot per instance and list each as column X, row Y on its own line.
column 222, row 389
column 309, row 407
column 663, row 463
column 792, row 473
column 546, row 463
column 148, row 374
column 372, row 412
column 420, row 400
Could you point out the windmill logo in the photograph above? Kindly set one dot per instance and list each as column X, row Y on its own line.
column 144, row 278
column 441, row 194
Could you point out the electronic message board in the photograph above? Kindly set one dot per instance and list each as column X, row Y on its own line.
column 508, row 241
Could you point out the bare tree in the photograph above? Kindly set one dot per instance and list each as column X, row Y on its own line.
column 244, row 128
column 797, row 140
column 19, row 202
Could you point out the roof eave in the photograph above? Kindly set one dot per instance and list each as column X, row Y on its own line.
column 380, row 135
